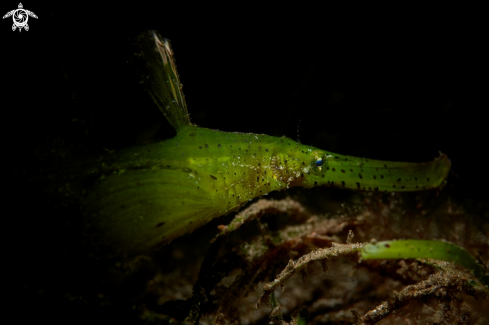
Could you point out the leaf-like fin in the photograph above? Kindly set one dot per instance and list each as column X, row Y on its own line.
column 161, row 78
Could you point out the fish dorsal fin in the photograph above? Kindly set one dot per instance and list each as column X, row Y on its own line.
column 161, row 78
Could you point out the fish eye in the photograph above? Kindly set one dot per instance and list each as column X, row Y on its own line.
column 319, row 162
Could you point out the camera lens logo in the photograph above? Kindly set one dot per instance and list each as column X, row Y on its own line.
column 20, row 17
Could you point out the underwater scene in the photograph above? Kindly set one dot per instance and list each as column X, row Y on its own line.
column 246, row 166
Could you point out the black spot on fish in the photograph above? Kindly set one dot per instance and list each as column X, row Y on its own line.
column 428, row 179
column 360, row 175
column 218, row 145
column 375, row 177
column 200, row 147
column 266, row 150
column 358, row 185
column 206, row 145
column 213, row 177
column 351, row 170
column 315, row 183
column 343, row 183
column 123, row 206
column 394, row 185
column 192, row 134
column 398, row 180
column 343, row 171
column 334, row 169
column 385, row 166
column 382, row 176
column 402, row 186
column 160, row 224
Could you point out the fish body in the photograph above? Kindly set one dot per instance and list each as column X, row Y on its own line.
column 146, row 196
column 140, row 198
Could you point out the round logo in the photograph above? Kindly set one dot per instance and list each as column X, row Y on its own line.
column 20, row 18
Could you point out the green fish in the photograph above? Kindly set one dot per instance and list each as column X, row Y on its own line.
column 138, row 199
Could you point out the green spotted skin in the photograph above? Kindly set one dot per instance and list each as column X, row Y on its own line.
column 143, row 197
column 147, row 196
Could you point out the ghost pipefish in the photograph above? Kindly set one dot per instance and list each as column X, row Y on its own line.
column 146, row 196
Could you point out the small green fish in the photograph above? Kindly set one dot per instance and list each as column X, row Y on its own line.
column 143, row 197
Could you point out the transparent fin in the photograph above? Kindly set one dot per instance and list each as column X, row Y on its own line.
column 160, row 77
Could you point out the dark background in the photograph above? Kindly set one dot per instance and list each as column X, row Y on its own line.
column 396, row 84
column 387, row 84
